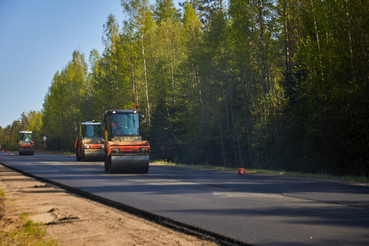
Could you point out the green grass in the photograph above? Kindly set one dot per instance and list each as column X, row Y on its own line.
column 27, row 233
column 347, row 178
column 361, row 179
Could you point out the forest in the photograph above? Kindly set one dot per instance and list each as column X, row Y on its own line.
column 270, row 84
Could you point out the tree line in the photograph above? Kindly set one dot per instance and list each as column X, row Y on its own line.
column 273, row 84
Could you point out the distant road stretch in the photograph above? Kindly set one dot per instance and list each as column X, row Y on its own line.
column 254, row 209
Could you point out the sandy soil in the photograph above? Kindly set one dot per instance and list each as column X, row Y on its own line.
column 77, row 221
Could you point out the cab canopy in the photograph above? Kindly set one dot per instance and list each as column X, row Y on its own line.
column 122, row 123
column 25, row 135
column 90, row 129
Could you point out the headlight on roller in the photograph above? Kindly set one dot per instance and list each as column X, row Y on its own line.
column 145, row 149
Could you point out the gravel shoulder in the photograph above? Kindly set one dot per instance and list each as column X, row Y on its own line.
column 73, row 220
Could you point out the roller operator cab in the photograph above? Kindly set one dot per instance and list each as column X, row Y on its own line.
column 89, row 144
column 26, row 145
column 124, row 149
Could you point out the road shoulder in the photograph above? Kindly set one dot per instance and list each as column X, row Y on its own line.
column 73, row 220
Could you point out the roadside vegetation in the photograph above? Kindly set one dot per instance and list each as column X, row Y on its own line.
column 346, row 178
column 266, row 85
column 25, row 231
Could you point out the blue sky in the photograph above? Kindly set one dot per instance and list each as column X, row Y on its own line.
column 37, row 39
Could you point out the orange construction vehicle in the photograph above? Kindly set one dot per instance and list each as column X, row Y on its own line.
column 89, row 144
column 124, row 149
column 26, row 145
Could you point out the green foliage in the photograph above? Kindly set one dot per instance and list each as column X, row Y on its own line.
column 31, row 121
column 165, row 11
column 261, row 84
column 64, row 103
column 330, row 105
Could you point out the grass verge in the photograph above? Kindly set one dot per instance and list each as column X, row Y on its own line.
column 361, row 179
column 26, row 232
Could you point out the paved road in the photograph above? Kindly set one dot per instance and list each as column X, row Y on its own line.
column 255, row 209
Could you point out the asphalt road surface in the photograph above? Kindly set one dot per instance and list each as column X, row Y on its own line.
column 255, row 209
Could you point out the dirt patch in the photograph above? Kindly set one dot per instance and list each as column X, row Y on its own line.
column 73, row 220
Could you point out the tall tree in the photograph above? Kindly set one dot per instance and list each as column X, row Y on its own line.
column 165, row 11
column 141, row 18
column 63, row 103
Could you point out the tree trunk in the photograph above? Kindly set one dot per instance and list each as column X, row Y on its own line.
column 251, row 77
column 146, row 87
column 350, row 41
column 317, row 40
column 287, row 43
column 264, row 67
column 221, row 143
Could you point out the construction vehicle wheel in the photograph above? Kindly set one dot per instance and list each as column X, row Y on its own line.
column 109, row 164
